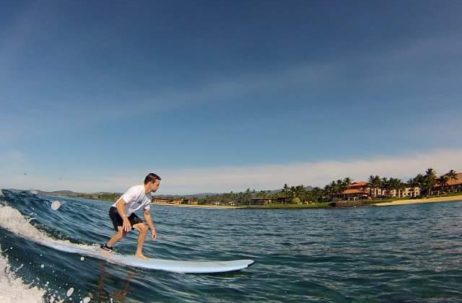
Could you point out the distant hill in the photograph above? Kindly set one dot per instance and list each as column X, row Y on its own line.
column 59, row 193
column 112, row 196
column 96, row 196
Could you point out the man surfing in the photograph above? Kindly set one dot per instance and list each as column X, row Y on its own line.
column 124, row 219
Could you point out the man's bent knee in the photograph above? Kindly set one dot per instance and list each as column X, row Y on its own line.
column 141, row 227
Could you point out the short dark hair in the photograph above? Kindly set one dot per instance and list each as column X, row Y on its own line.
column 151, row 177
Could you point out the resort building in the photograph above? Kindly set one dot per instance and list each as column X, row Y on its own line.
column 356, row 191
column 359, row 190
column 376, row 192
column 405, row 192
column 411, row 192
column 451, row 185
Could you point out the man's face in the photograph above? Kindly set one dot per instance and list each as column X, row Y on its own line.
column 153, row 186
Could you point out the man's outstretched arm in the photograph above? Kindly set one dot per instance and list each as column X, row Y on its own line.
column 121, row 210
column 148, row 219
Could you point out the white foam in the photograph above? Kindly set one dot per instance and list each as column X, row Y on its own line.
column 55, row 205
column 13, row 289
column 70, row 291
column 12, row 220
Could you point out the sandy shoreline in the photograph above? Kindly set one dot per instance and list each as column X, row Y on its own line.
column 421, row 201
column 397, row 202
column 197, row 206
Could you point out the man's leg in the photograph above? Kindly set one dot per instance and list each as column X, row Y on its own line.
column 118, row 223
column 116, row 237
column 142, row 228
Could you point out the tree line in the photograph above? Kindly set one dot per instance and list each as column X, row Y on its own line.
column 302, row 194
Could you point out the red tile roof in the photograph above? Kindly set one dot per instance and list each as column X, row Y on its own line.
column 457, row 181
column 358, row 184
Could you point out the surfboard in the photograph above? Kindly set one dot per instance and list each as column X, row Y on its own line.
column 178, row 266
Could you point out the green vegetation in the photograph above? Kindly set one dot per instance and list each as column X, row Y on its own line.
column 300, row 196
column 110, row 197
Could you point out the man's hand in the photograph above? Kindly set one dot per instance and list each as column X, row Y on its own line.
column 126, row 226
column 153, row 234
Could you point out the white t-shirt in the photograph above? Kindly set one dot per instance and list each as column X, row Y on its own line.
column 135, row 198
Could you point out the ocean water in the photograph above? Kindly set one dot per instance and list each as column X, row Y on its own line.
column 409, row 253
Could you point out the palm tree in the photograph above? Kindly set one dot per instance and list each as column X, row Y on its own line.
column 263, row 194
column 395, row 184
column 418, row 181
column 443, row 181
column 374, row 182
column 298, row 192
column 385, row 185
column 326, row 192
column 285, row 192
column 452, row 175
column 340, row 185
column 346, row 181
column 343, row 184
column 248, row 196
column 331, row 190
column 316, row 194
column 430, row 180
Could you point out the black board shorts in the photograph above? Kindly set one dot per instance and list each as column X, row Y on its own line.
column 118, row 221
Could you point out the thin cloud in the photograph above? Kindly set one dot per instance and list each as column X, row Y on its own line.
column 263, row 177
column 320, row 173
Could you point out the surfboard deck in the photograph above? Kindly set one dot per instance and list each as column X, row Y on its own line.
column 178, row 266
column 182, row 266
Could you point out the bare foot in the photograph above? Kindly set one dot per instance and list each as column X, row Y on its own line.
column 141, row 256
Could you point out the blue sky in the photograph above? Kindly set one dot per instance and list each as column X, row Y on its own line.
column 226, row 95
